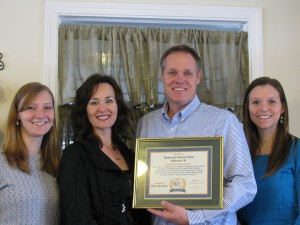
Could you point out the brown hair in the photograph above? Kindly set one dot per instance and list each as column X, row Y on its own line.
column 283, row 139
column 180, row 48
column 15, row 149
column 81, row 124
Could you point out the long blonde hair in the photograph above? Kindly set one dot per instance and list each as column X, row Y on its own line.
column 14, row 147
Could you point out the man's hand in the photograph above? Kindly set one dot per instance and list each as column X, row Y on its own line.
column 171, row 213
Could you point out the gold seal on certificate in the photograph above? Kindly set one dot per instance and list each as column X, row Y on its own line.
column 177, row 185
column 183, row 171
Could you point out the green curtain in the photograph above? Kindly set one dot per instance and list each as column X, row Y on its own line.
column 131, row 55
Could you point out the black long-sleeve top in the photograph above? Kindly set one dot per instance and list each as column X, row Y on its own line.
column 93, row 189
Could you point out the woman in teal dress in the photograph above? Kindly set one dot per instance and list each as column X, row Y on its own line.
column 275, row 154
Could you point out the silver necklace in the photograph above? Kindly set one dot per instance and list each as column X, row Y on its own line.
column 111, row 147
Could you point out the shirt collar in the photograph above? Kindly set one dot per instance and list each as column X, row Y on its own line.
column 184, row 113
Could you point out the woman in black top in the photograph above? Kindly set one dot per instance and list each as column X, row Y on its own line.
column 95, row 174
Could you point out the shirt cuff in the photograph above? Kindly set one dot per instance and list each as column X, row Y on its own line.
column 195, row 217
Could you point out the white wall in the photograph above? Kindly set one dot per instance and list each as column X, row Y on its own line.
column 22, row 36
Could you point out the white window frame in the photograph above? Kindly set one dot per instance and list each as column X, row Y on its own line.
column 55, row 10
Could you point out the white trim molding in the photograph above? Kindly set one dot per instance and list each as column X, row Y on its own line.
column 55, row 10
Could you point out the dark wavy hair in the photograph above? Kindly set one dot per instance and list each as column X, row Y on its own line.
column 81, row 124
column 283, row 139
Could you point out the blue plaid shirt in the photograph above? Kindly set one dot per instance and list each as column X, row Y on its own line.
column 196, row 120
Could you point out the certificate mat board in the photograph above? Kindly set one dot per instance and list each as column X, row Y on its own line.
column 183, row 171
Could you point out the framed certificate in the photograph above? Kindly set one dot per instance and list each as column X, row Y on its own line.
column 182, row 171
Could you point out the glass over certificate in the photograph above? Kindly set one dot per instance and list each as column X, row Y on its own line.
column 183, row 171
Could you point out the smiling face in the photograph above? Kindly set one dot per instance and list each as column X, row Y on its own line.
column 180, row 79
column 102, row 109
column 265, row 108
column 37, row 117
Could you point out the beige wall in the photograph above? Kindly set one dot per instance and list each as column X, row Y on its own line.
column 22, row 41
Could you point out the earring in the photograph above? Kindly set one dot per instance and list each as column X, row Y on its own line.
column 17, row 123
column 281, row 119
